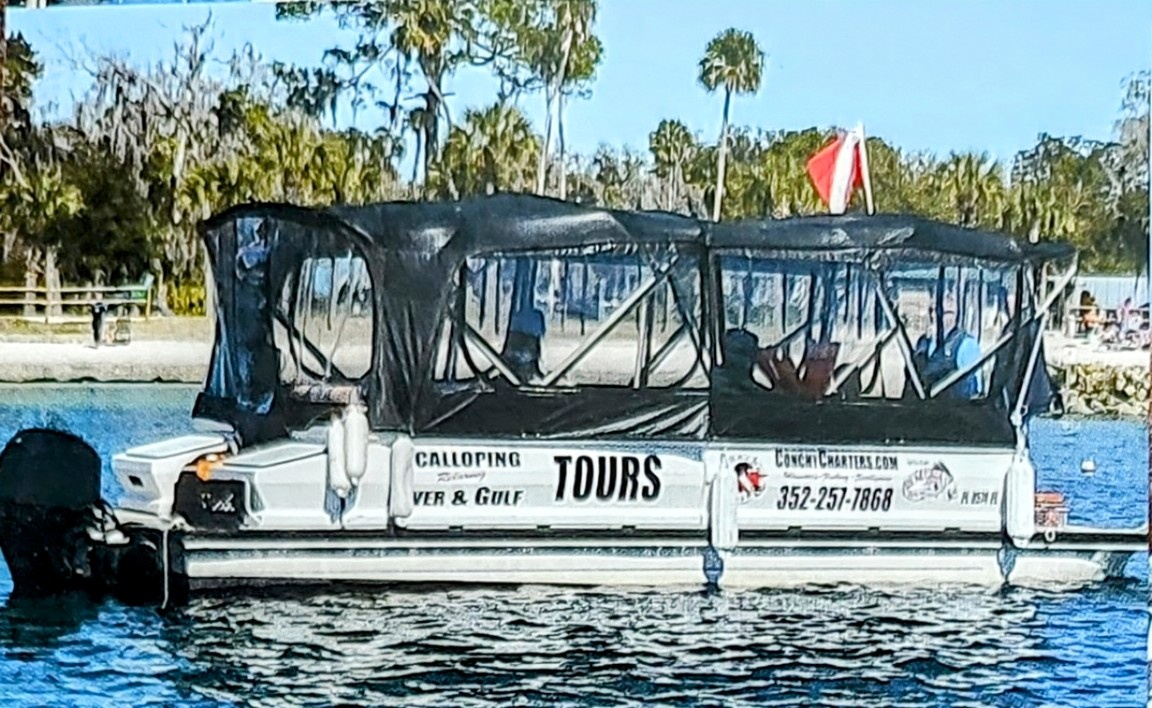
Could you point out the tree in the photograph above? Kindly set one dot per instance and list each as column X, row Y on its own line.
column 405, row 40
column 493, row 150
column 562, row 54
column 972, row 190
column 18, row 71
column 734, row 62
column 1132, row 130
column 673, row 148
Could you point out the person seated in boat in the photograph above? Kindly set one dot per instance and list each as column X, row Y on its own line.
column 958, row 350
column 523, row 347
column 819, row 366
column 810, row 379
column 735, row 374
column 782, row 374
column 744, row 359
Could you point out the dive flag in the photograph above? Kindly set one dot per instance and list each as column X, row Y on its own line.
column 837, row 170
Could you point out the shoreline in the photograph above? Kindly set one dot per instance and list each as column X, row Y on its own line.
column 176, row 351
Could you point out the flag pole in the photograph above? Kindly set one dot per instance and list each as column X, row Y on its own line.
column 871, row 207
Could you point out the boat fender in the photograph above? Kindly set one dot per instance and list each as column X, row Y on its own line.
column 401, row 498
column 355, row 442
column 338, row 480
column 723, row 523
column 1050, row 535
column 1020, row 501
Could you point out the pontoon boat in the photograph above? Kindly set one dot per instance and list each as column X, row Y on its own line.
column 513, row 389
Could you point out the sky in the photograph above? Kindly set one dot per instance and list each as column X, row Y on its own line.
column 940, row 76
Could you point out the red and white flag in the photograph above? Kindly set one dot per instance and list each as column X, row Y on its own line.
column 839, row 168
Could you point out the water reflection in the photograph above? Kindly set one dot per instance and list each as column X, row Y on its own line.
column 31, row 625
column 836, row 645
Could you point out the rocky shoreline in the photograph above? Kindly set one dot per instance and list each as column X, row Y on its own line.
column 1104, row 390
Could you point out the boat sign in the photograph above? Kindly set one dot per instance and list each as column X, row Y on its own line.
column 781, row 487
column 476, row 486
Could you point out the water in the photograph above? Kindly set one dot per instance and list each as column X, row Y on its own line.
column 442, row 646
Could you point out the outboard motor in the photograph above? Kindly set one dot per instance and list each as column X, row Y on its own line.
column 58, row 536
column 49, row 493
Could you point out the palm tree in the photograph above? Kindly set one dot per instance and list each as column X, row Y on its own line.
column 423, row 31
column 732, row 61
column 492, row 150
column 972, row 188
column 565, row 53
column 672, row 147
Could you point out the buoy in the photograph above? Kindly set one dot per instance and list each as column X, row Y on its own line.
column 337, row 472
column 355, row 442
column 1088, row 466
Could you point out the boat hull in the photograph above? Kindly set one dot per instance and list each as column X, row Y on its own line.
column 275, row 559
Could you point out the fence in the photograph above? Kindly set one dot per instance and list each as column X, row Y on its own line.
column 74, row 302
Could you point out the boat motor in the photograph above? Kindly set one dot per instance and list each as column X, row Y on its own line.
column 49, row 490
column 58, row 535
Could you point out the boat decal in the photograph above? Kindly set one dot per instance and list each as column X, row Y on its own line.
column 449, row 477
column 607, row 477
column 834, row 460
column 930, row 482
column 481, row 496
column 837, row 498
column 989, row 498
column 751, row 481
column 466, row 459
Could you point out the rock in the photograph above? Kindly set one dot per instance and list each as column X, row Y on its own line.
column 1096, row 389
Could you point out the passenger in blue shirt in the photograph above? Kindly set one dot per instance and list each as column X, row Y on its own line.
column 958, row 350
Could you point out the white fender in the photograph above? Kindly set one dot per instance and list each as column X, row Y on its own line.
column 723, row 527
column 401, row 498
column 1020, row 501
column 337, row 472
column 355, row 442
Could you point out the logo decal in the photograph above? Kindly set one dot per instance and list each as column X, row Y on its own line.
column 929, row 483
column 752, row 483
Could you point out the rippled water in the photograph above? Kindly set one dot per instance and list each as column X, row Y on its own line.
column 442, row 646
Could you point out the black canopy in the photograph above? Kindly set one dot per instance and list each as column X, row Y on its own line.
column 516, row 222
column 413, row 251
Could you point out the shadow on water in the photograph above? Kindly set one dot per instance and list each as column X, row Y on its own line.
column 31, row 624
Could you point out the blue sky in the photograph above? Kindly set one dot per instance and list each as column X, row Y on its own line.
column 936, row 75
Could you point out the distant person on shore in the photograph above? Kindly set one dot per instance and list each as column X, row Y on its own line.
column 1089, row 313
column 99, row 312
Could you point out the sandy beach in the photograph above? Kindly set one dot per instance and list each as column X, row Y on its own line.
column 168, row 350
column 1062, row 351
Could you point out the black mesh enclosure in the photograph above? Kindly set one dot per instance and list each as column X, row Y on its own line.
column 316, row 305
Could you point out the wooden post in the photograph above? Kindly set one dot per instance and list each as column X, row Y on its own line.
column 149, row 282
